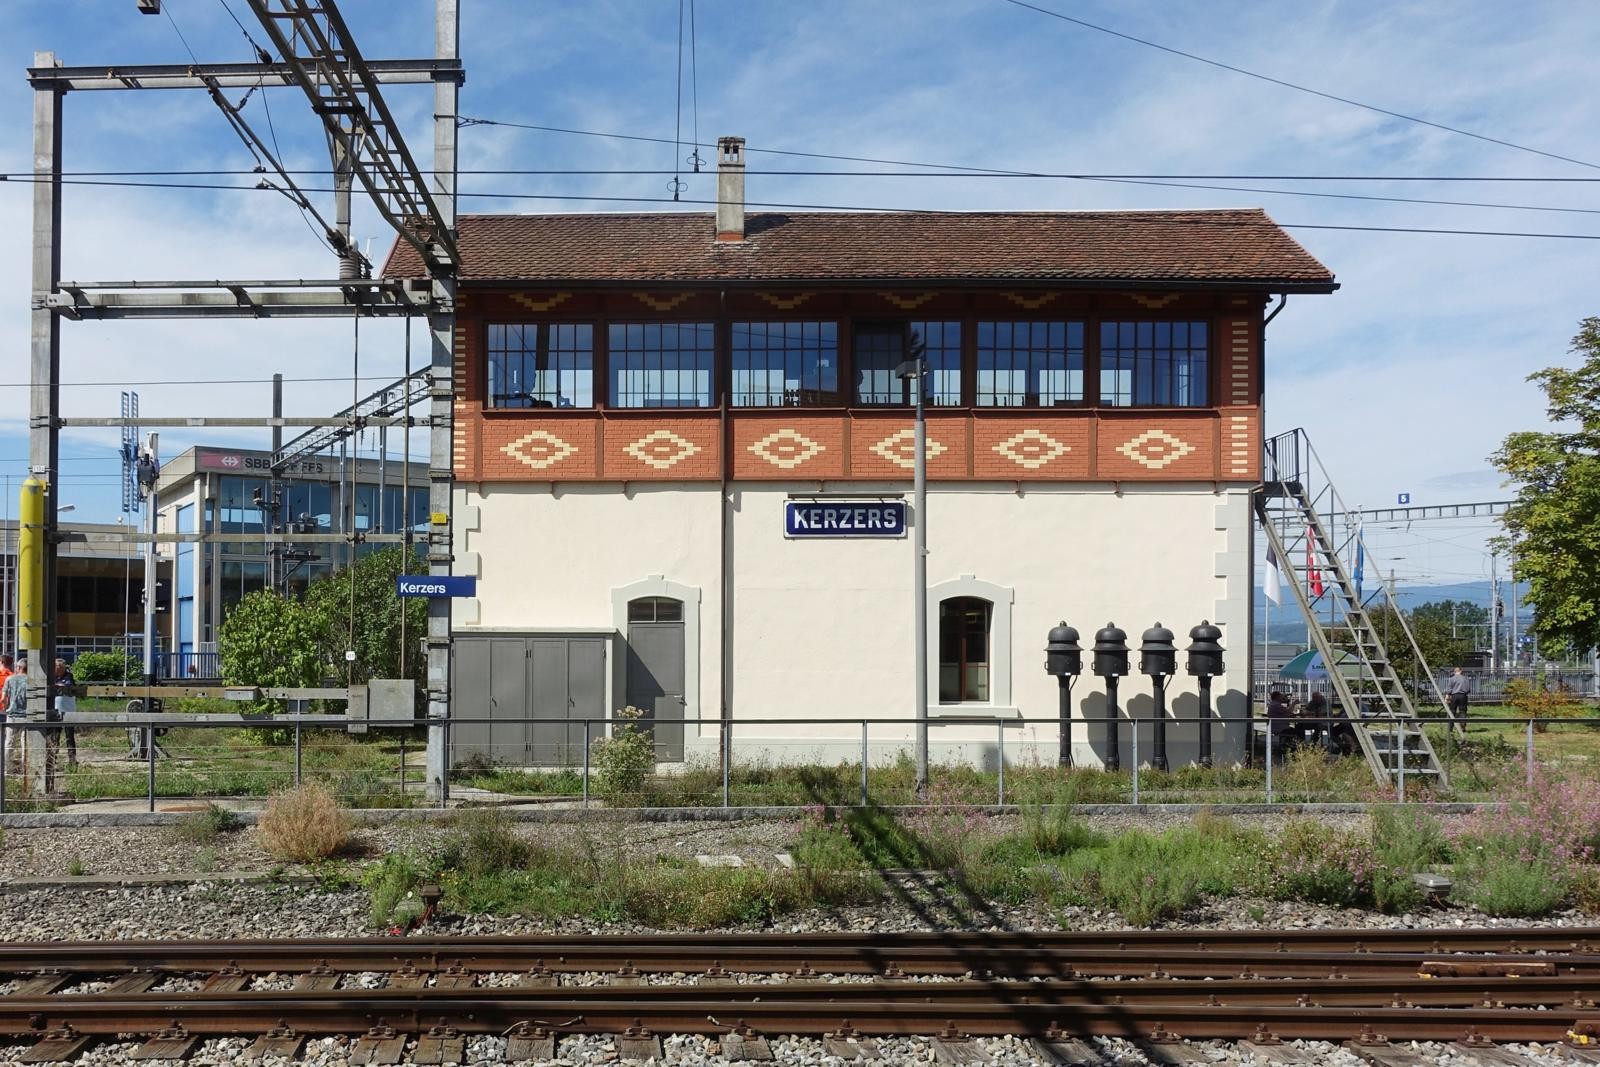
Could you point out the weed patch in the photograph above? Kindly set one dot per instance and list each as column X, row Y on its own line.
column 206, row 825
column 303, row 824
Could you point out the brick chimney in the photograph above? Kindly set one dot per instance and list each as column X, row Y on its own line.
column 730, row 188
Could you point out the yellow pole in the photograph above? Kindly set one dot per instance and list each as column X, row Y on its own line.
column 30, row 565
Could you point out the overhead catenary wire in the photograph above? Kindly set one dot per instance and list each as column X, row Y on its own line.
column 20, row 175
column 787, row 205
column 1298, row 87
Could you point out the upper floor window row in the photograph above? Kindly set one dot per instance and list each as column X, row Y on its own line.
column 1027, row 363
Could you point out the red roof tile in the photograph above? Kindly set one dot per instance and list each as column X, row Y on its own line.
column 1183, row 247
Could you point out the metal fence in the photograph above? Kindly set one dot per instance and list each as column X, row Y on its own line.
column 140, row 760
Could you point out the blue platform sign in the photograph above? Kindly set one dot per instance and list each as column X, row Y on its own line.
column 844, row 518
column 454, row 585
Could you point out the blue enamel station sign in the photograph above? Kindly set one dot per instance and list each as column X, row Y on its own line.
column 453, row 585
column 844, row 518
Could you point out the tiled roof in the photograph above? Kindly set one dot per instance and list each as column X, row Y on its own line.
column 1184, row 247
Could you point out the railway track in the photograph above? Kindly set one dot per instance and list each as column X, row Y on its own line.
column 427, row 995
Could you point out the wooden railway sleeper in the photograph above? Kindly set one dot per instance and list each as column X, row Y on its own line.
column 743, row 1042
column 61, row 1043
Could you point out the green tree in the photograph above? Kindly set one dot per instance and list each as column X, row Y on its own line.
column 1444, row 631
column 369, row 624
column 269, row 640
column 1553, row 527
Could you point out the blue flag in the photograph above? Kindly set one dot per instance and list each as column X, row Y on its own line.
column 1361, row 562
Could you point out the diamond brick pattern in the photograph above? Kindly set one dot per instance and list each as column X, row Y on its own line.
column 1031, row 448
column 539, row 449
column 1155, row 449
column 1217, row 445
column 661, row 449
column 900, row 448
column 786, row 448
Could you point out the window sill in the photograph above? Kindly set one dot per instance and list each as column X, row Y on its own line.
column 973, row 712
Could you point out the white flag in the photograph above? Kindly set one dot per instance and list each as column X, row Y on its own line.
column 1272, row 581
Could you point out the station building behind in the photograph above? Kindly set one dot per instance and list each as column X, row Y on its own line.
column 639, row 396
column 209, row 489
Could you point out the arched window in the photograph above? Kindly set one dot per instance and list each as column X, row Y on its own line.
column 655, row 609
column 964, row 624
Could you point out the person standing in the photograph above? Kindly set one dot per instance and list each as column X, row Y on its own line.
column 15, row 695
column 63, row 684
column 1456, row 691
column 7, row 669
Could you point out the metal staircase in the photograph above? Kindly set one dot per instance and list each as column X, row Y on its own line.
column 1295, row 505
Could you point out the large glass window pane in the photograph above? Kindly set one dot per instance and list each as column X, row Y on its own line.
column 1155, row 364
column 881, row 347
column 964, row 650
column 1029, row 364
column 785, row 364
column 541, row 365
column 661, row 364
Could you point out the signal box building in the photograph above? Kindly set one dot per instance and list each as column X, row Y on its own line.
column 683, row 464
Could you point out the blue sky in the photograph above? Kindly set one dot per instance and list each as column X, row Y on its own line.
column 1407, row 378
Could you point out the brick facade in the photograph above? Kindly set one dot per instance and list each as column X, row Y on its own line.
column 1216, row 444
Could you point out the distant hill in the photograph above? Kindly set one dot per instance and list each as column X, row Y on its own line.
column 1287, row 625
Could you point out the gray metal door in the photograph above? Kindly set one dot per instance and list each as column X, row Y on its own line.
column 586, row 692
column 547, row 725
column 655, row 682
column 491, row 683
column 535, row 692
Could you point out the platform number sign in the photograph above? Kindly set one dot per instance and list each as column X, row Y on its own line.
column 1404, row 498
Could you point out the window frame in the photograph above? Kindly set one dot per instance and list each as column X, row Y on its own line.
column 1209, row 378
column 843, row 366
column 1030, row 397
column 963, row 665
column 597, row 373
column 610, row 365
column 846, row 395
column 907, row 399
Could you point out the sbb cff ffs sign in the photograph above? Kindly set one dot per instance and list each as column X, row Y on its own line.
column 453, row 585
column 844, row 518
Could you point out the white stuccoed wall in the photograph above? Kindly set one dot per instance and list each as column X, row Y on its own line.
column 822, row 628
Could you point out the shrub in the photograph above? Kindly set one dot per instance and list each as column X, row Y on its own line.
column 1535, row 699
column 303, row 824
column 1408, row 838
column 487, row 843
column 1505, row 885
column 1316, row 864
column 623, row 760
column 1138, row 879
column 206, row 825
column 391, row 883
column 948, row 830
column 1050, row 820
column 99, row 667
column 824, row 844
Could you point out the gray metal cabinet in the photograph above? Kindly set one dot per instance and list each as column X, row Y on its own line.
column 529, row 695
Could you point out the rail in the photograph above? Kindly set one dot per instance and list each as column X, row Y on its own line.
column 1159, row 989
column 89, row 757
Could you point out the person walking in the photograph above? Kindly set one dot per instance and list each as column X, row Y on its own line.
column 1456, row 691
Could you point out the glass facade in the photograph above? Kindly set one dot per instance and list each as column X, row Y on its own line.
column 541, row 365
column 881, row 347
column 661, row 364
column 1030, row 364
column 785, row 364
column 1014, row 363
column 1153, row 364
